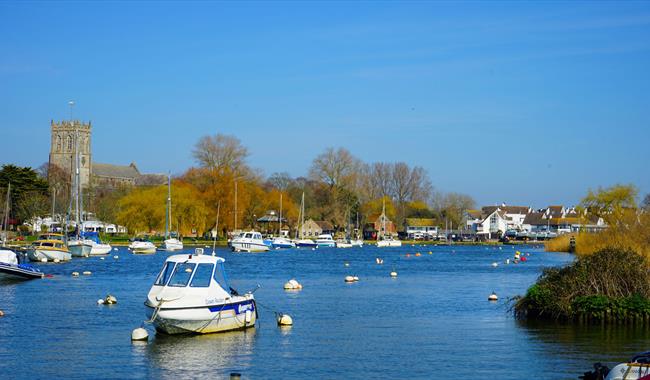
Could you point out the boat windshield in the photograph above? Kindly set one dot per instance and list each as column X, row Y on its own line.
column 202, row 276
column 182, row 274
column 220, row 276
column 248, row 236
column 165, row 273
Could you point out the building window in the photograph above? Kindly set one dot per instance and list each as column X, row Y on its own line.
column 58, row 143
column 69, row 143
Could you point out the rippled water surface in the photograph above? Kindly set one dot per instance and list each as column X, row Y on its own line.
column 433, row 321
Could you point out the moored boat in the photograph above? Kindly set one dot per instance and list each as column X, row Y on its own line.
column 342, row 243
column 250, row 241
column 306, row 243
column 49, row 247
column 282, row 243
column 325, row 240
column 97, row 246
column 10, row 268
column 384, row 240
column 172, row 244
column 142, row 247
column 192, row 295
column 80, row 247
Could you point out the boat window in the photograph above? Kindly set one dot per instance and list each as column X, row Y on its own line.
column 165, row 273
column 248, row 236
column 202, row 276
column 182, row 274
column 220, row 277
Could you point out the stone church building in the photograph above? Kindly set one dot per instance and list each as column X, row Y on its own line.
column 71, row 136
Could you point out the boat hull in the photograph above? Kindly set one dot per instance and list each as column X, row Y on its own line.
column 100, row 249
column 144, row 251
column 389, row 243
column 172, row 245
column 49, row 255
column 79, row 249
column 249, row 247
column 19, row 272
column 204, row 319
column 306, row 244
column 329, row 244
column 343, row 245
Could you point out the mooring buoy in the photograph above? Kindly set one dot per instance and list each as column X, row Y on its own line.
column 493, row 297
column 139, row 334
column 393, row 274
column 285, row 320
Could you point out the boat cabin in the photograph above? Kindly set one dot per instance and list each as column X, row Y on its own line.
column 185, row 272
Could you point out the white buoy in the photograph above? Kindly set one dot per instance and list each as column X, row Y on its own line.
column 285, row 320
column 2, row 313
column 101, row 258
column 110, row 300
column 75, row 274
column 100, row 301
column 292, row 285
column 139, row 334
column 116, row 257
column 493, row 297
column 346, row 264
column 87, row 273
column 495, row 264
column 57, row 260
column 114, row 249
column 393, row 274
column 349, row 279
column 507, row 261
column 43, row 260
column 379, row 260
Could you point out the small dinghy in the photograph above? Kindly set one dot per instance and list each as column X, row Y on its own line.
column 191, row 295
column 11, row 269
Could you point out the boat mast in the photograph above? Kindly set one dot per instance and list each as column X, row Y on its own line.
column 77, row 180
column 6, row 216
column 383, row 218
column 280, row 218
column 216, row 227
column 168, row 214
column 53, row 203
column 302, row 216
column 235, row 205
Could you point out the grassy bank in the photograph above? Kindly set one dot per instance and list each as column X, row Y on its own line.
column 630, row 233
column 609, row 285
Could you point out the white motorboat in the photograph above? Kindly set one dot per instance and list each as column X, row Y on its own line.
column 192, row 295
column 172, row 244
column 142, row 247
column 10, row 268
column 342, row 243
column 49, row 247
column 250, row 241
column 300, row 241
column 356, row 242
column 389, row 242
column 282, row 242
column 325, row 240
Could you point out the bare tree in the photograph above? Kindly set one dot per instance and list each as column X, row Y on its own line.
column 280, row 181
column 645, row 204
column 410, row 184
column 221, row 152
column 335, row 167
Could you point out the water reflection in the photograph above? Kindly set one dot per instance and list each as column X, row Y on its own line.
column 586, row 343
column 200, row 355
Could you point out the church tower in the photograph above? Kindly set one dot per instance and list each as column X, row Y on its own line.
column 62, row 148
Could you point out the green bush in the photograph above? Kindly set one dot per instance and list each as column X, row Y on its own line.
column 611, row 282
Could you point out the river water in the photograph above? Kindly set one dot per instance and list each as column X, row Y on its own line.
column 432, row 321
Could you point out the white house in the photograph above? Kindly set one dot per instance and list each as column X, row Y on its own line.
column 493, row 225
column 420, row 228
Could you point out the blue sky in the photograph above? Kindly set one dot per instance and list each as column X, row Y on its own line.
column 517, row 102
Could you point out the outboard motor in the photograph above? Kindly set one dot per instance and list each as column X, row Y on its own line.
column 599, row 373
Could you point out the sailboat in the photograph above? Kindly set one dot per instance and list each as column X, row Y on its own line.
column 170, row 243
column 382, row 239
column 281, row 241
column 78, row 246
column 345, row 242
column 357, row 241
column 9, row 266
column 300, row 240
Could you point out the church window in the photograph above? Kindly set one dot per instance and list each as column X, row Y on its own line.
column 69, row 143
column 58, row 143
